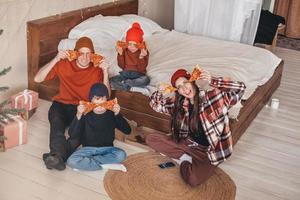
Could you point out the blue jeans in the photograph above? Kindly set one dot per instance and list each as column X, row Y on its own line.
column 91, row 158
column 128, row 79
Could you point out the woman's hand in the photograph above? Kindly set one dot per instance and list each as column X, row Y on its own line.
column 161, row 88
column 204, row 80
column 116, row 109
column 205, row 75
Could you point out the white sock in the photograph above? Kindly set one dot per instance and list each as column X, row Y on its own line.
column 144, row 91
column 76, row 170
column 114, row 166
column 185, row 157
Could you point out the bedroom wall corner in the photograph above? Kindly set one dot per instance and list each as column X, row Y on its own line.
column 13, row 49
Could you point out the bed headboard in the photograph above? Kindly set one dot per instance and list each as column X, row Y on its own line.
column 43, row 36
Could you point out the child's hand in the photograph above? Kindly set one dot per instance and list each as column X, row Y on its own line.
column 143, row 53
column 116, row 109
column 119, row 50
column 80, row 109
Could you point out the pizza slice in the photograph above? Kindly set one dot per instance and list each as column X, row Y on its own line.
column 73, row 54
column 109, row 105
column 96, row 59
column 195, row 74
column 122, row 44
column 168, row 88
column 141, row 45
column 89, row 106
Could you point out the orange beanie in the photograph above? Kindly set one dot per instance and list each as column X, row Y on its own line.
column 84, row 42
column 135, row 33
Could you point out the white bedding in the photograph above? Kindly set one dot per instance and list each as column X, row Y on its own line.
column 171, row 50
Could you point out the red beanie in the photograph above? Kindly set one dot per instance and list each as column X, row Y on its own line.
column 179, row 73
column 84, row 42
column 135, row 33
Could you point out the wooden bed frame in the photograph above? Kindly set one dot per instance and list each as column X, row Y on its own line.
column 42, row 41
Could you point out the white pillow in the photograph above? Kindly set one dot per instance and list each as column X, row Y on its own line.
column 103, row 30
column 76, row 32
column 66, row 44
column 106, row 30
column 149, row 27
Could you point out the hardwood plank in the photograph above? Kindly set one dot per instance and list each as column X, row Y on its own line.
column 56, row 184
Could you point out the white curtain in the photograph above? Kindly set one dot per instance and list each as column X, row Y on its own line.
column 234, row 20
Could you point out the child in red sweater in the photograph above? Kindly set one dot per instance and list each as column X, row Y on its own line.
column 133, row 60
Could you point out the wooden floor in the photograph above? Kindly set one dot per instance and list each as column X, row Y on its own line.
column 265, row 164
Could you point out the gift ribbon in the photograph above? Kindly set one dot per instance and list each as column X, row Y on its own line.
column 27, row 95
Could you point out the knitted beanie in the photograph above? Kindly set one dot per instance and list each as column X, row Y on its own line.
column 135, row 33
column 84, row 42
column 179, row 73
column 99, row 90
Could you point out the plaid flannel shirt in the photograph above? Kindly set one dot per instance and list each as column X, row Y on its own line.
column 213, row 114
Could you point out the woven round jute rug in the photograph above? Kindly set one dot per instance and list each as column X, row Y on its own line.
column 144, row 180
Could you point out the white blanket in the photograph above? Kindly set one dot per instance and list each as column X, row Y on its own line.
column 173, row 50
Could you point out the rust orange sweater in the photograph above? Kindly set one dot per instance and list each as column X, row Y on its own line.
column 75, row 83
column 131, row 61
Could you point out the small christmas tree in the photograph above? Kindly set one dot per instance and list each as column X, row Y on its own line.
column 5, row 110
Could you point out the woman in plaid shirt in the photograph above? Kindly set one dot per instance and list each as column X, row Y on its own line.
column 201, row 137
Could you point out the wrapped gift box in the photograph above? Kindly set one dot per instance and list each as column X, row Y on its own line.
column 14, row 131
column 27, row 100
column 28, row 113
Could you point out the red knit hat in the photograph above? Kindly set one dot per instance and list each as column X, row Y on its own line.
column 179, row 73
column 84, row 42
column 135, row 33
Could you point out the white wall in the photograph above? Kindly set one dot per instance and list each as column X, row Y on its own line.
column 15, row 13
column 161, row 11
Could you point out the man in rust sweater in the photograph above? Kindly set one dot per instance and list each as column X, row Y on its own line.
column 133, row 61
column 76, row 78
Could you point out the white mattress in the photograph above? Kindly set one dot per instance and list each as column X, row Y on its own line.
column 172, row 50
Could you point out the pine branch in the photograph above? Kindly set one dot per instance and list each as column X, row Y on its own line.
column 3, row 89
column 2, row 138
column 5, row 71
column 6, row 112
column 4, row 103
column 2, row 120
column 11, row 111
